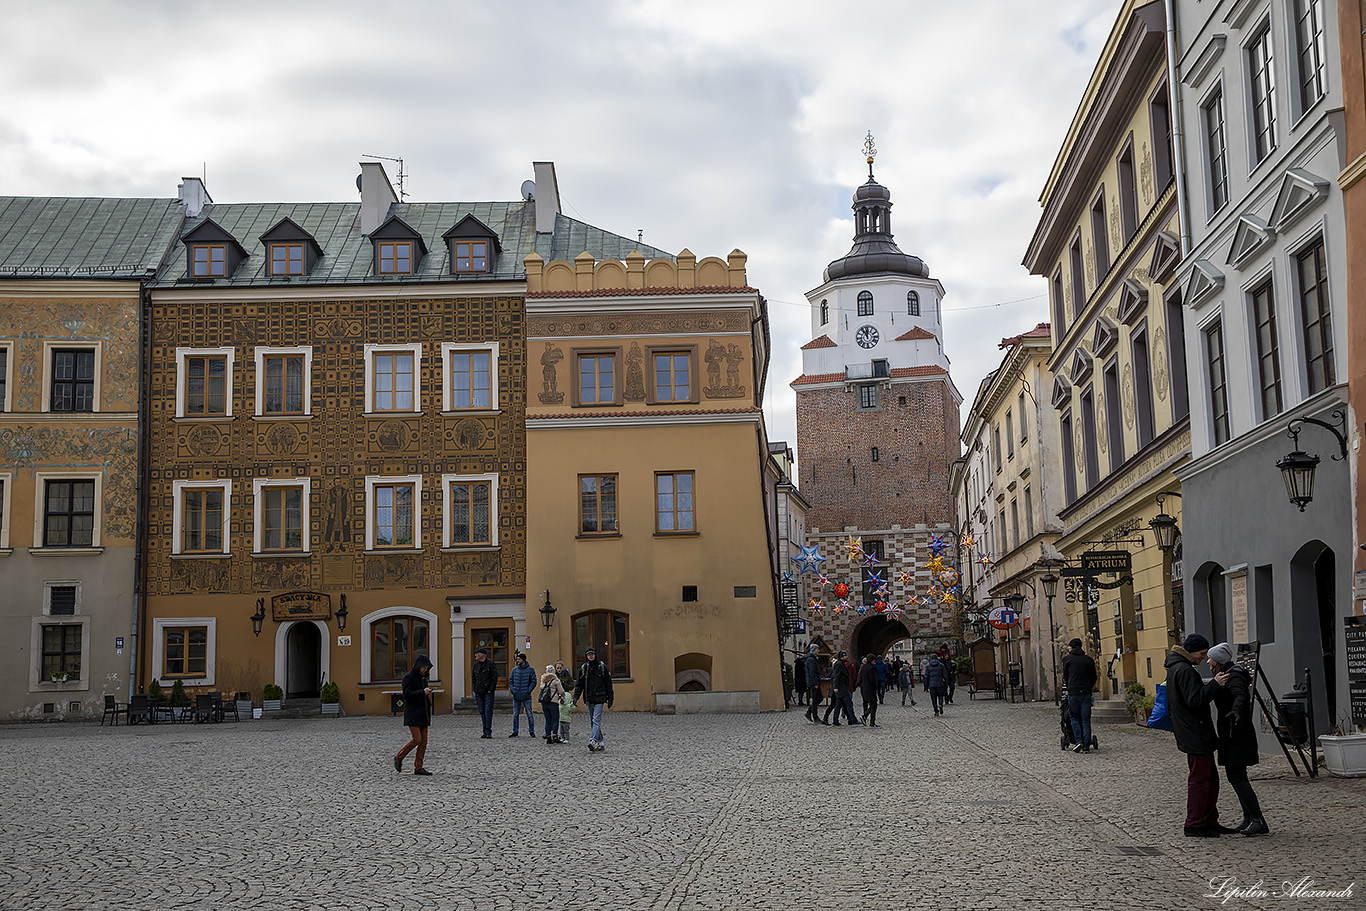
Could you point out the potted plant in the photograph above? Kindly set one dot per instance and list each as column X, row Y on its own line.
column 1135, row 694
column 60, row 676
column 962, row 666
column 272, row 697
column 331, row 698
column 1344, row 752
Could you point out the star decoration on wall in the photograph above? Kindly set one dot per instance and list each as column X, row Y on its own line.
column 985, row 559
column 883, row 592
column 861, row 609
column 937, row 546
column 870, row 560
column 894, row 610
column 873, row 579
column 823, row 579
column 855, row 548
column 815, row 606
column 969, row 541
column 841, row 606
column 948, row 598
column 904, row 578
column 810, row 560
column 788, row 577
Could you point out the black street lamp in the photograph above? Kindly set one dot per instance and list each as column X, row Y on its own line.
column 547, row 611
column 1164, row 526
column 1050, row 588
column 259, row 617
column 341, row 615
column 1297, row 468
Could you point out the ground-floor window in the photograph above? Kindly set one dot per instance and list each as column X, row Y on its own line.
column 61, row 651
column 395, row 643
column 184, row 651
column 606, row 631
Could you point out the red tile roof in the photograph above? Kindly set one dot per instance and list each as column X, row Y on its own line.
column 653, row 412
column 820, row 341
column 806, row 378
column 914, row 335
column 930, row 370
column 1042, row 330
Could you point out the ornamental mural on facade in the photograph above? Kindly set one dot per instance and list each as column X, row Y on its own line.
column 111, row 323
column 1160, row 375
column 550, row 385
column 1128, row 395
column 728, row 357
column 634, row 389
column 115, row 449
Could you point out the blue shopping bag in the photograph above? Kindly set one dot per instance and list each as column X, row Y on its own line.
column 1159, row 717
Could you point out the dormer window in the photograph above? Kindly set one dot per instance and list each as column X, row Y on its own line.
column 211, row 252
column 398, row 248
column 471, row 256
column 395, row 258
column 208, row 260
column 290, row 249
column 473, row 247
column 286, row 259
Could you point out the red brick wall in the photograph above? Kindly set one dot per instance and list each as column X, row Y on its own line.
column 908, row 485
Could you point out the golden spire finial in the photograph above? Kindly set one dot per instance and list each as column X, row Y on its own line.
column 870, row 150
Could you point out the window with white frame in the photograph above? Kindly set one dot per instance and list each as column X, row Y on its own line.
column 396, row 636
column 68, row 508
column 284, row 381
column 392, row 373
column 470, row 376
column 281, row 515
column 469, row 510
column 203, row 382
column 1316, row 317
column 393, row 512
column 72, row 379
column 185, row 649
column 1216, row 149
column 1262, row 79
column 1311, row 52
column 200, row 514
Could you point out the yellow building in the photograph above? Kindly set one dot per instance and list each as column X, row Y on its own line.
column 648, row 532
column 1108, row 243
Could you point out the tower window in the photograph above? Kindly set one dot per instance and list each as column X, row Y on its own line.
column 867, row 396
column 865, row 303
column 874, row 453
column 912, row 303
column 825, row 312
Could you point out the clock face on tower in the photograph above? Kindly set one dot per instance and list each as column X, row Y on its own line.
column 866, row 336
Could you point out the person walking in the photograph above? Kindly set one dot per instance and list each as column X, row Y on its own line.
column 905, row 683
column 884, row 674
column 521, row 683
column 417, row 714
column 551, row 697
column 868, row 688
column 924, row 673
column 595, row 686
column 799, row 678
column 485, row 679
column 1188, row 700
column 936, row 680
column 1079, row 676
column 812, row 665
column 1236, row 733
column 841, row 689
column 566, row 714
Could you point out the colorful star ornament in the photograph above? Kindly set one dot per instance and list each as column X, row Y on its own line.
column 894, row 610
column 904, row 578
column 937, row 546
column 948, row 598
column 823, row 579
column 935, row 566
column 841, row 590
column 855, row 548
column 870, row 560
column 862, row 609
column 788, row 577
column 949, row 576
column 841, row 606
column 969, row 541
column 880, row 606
column 985, row 559
column 873, row 579
column 810, row 560
column 815, row 605
column 883, row 592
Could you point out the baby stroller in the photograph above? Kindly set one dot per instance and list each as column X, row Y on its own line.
column 1068, row 738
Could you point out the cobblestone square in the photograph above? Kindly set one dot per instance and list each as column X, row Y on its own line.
column 979, row 809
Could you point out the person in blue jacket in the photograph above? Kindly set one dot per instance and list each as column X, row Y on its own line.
column 884, row 674
column 521, row 683
column 417, row 714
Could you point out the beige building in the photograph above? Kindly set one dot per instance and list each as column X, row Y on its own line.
column 646, row 452
column 1108, row 244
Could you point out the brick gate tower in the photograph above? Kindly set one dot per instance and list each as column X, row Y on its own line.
column 877, row 432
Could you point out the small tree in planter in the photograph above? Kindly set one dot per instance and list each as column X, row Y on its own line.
column 272, row 697
column 331, row 698
column 1135, row 694
column 962, row 666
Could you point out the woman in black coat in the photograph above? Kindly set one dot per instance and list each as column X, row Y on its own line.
column 417, row 714
column 867, row 685
column 1237, row 736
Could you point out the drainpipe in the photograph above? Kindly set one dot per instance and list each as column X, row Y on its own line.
column 1178, row 132
column 139, row 510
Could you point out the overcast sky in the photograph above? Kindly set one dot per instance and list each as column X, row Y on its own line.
column 706, row 124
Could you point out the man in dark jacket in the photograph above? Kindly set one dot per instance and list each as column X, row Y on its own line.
column 595, row 686
column 1237, row 734
column 1188, row 699
column 812, row 664
column 936, row 680
column 799, row 678
column 485, row 680
column 417, row 714
column 884, row 675
column 842, row 676
column 1079, row 676
column 521, row 682
column 869, row 688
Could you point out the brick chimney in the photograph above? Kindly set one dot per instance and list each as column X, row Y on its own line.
column 376, row 196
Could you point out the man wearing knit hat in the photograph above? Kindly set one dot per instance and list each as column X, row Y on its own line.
column 1188, row 698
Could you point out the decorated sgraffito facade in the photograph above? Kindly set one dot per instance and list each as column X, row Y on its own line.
column 72, row 272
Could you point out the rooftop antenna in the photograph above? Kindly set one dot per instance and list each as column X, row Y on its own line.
column 402, row 174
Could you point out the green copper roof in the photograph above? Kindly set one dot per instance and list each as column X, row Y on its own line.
column 85, row 237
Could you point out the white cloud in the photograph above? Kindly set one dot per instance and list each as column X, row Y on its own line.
column 707, row 124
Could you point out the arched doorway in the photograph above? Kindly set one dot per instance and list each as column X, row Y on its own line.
column 1211, row 616
column 1313, row 597
column 303, row 661
column 875, row 634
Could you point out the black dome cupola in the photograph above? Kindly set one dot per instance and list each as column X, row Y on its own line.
column 874, row 250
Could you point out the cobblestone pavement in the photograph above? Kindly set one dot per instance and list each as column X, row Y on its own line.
column 764, row 812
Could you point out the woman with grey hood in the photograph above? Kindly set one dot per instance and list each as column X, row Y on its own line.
column 417, row 714
column 1236, row 733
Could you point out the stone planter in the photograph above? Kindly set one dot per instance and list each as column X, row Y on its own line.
column 1345, row 755
column 331, row 708
column 243, row 708
column 271, row 705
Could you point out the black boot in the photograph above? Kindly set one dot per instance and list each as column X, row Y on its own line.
column 1256, row 826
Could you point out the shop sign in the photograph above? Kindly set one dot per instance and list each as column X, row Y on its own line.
column 1354, row 631
column 1003, row 618
column 1107, row 561
column 301, row 606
